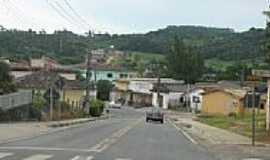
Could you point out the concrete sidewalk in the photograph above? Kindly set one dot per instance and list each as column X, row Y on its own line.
column 223, row 144
column 10, row 132
column 14, row 131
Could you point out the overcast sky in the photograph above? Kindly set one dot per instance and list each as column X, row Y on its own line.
column 130, row 16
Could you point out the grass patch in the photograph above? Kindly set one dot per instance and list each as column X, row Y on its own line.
column 239, row 124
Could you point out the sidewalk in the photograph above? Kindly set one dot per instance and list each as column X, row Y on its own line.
column 221, row 143
column 10, row 132
column 14, row 131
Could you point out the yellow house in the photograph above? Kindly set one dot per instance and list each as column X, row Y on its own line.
column 120, row 90
column 74, row 93
column 223, row 101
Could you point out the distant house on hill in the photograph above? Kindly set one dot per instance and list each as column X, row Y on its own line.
column 43, row 63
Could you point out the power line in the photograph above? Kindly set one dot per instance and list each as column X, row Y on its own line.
column 83, row 21
column 60, row 13
column 66, row 12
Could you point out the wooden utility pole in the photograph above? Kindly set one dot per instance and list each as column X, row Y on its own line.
column 51, row 103
column 88, row 79
column 253, row 116
column 158, row 89
column 265, row 74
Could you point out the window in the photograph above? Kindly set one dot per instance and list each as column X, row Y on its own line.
column 123, row 75
column 110, row 75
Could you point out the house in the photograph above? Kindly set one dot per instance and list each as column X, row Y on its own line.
column 170, row 94
column 196, row 98
column 108, row 72
column 72, row 92
column 140, row 91
column 120, row 91
column 218, row 101
column 43, row 63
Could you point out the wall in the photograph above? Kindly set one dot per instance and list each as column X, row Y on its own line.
column 16, row 99
column 104, row 75
column 140, row 87
column 18, row 74
column 68, row 76
column 196, row 93
column 74, row 97
column 220, row 103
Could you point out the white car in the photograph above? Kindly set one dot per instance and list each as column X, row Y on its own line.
column 112, row 104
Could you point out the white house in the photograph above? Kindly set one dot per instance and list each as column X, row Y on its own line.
column 170, row 94
column 195, row 97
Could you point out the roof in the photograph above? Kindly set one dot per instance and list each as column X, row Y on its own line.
column 74, row 85
column 44, row 79
column 166, row 88
column 238, row 93
column 39, row 80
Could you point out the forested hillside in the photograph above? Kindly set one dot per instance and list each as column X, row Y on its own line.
column 224, row 44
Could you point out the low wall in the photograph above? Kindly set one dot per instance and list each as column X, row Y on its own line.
column 15, row 100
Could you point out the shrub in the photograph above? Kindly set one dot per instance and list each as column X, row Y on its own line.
column 96, row 108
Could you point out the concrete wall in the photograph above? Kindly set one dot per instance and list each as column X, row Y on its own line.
column 18, row 74
column 68, row 76
column 14, row 100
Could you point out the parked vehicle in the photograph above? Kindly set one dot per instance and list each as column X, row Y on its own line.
column 155, row 115
column 114, row 105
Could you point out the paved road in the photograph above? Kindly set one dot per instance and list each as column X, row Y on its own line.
column 126, row 136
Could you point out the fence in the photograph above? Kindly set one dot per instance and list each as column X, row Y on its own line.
column 15, row 100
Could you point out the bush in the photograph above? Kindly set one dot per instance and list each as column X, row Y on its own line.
column 96, row 108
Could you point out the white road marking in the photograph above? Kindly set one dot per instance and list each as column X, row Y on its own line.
column 75, row 158
column 90, row 158
column 39, row 157
column 107, row 142
column 183, row 132
column 252, row 159
column 45, row 149
column 123, row 159
column 5, row 154
column 82, row 158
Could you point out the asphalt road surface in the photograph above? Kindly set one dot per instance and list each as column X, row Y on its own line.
column 125, row 136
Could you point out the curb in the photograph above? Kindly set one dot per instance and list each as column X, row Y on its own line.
column 58, row 128
column 74, row 122
column 183, row 132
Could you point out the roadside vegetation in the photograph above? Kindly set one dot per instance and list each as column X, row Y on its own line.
column 239, row 124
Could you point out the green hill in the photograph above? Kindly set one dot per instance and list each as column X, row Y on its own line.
column 220, row 43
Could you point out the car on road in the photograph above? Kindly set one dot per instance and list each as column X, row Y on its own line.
column 155, row 115
column 114, row 105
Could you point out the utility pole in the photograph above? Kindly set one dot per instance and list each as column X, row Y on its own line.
column 267, row 14
column 158, row 88
column 88, row 79
column 253, row 116
column 51, row 103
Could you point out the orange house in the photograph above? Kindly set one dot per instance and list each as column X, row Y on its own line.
column 223, row 101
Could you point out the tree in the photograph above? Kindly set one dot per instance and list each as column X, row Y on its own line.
column 267, row 43
column 6, row 83
column 104, row 88
column 184, row 63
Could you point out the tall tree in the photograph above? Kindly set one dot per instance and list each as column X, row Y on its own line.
column 184, row 63
column 104, row 88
